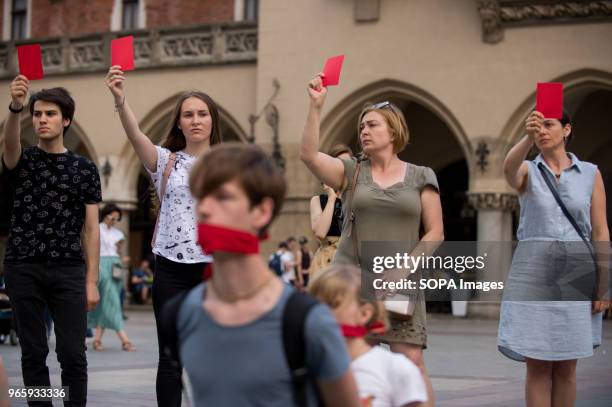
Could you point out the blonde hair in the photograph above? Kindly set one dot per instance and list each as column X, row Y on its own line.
column 396, row 122
column 334, row 286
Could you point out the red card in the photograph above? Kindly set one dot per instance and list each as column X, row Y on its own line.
column 122, row 52
column 332, row 69
column 30, row 61
column 549, row 100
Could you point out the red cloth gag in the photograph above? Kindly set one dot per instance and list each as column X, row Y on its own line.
column 355, row 331
column 214, row 239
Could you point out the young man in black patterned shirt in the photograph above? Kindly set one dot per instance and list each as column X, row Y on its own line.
column 55, row 197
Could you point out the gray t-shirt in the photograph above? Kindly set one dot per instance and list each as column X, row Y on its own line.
column 245, row 365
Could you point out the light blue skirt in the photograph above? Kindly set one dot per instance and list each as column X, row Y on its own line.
column 545, row 329
column 108, row 314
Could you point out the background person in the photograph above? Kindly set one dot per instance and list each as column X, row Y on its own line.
column 275, row 261
column 109, row 313
column 305, row 260
column 141, row 282
column 291, row 264
column 326, row 218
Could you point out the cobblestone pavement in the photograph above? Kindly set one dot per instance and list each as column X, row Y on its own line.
column 462, row 359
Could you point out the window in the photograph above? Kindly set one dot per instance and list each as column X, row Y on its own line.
column 130, row 15
column 251, row 10
column 18, row 19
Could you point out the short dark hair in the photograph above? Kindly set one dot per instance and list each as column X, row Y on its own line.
column 339, row 149
column 258, row 175
column 283, row 245
column 61, row 97
column 108, row 209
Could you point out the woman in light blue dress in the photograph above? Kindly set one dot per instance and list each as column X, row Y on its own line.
column 543, row 322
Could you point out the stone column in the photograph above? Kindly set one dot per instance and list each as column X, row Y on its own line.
column 494, row 226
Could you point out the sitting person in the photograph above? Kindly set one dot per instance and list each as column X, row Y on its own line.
column 142, row 281
column 383, row 378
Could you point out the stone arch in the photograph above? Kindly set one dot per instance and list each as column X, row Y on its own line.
column 391, row 89
column 449, row 155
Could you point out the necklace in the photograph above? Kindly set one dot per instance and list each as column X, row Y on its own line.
column 230, row 298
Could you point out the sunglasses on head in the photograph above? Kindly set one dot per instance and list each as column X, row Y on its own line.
column 385, row 104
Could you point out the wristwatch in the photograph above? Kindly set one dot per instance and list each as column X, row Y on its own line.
column 15, row 110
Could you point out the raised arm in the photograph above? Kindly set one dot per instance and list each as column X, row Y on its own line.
column 431, row 216
column 92, row 255
column 144, row 147
column 600, row 236
column 12, row 127
column 515, row 170
column 327, row 169
column 321, row 219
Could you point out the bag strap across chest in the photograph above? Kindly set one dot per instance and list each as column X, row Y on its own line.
column 162, row 192
column 352, row 231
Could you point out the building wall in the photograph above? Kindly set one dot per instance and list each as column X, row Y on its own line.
column 69, row 17
column 435, row 46
column 75, row 17
column 162, row 13
column 2, row 11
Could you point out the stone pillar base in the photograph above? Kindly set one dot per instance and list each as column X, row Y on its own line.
column 484, row 310
column 494, row 227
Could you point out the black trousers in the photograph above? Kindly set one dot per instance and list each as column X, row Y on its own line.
column 171, row 278
column 61, row 287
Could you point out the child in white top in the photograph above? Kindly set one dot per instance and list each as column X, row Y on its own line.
column 383, row 378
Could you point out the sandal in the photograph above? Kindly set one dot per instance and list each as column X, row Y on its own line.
column 127, row 346
column 97, row 345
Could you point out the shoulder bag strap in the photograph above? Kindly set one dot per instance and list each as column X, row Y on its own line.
column 352, row 231
column 294, row 317
column 567, row 214
column 162, row 192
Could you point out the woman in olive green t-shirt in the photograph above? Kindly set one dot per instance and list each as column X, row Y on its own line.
column 392, row 200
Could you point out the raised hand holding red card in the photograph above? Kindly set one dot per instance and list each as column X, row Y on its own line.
column 122, row 52
column 332, row 69
column 549, row 100
column 30, row 61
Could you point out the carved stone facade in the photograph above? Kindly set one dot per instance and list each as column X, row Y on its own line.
column 367, row 10
column 499, row 14
column 155, row 48
column 493, row 200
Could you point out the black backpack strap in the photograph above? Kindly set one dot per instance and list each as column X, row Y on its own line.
column 167, row 324
column 294, row 317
